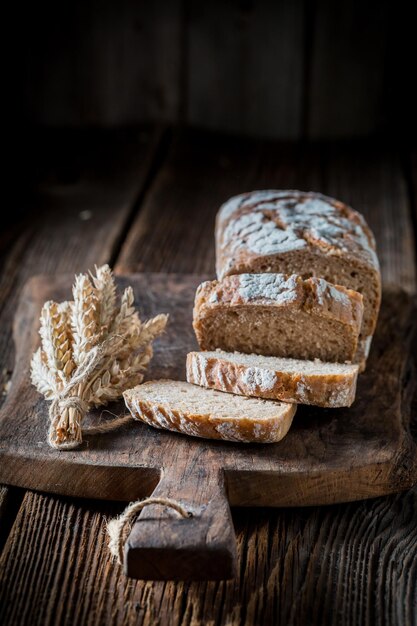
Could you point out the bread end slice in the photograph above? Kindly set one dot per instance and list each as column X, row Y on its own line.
column 288, row 380
column 185, row 408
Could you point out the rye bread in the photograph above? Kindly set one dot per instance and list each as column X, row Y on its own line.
column 278, row 315
column 305, row 233
column 316, row 383
column 199, row 412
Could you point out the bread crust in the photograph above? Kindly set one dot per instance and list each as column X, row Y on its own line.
column 292, row 231
column 314, row 296
column 208, row 426
column 221, row 373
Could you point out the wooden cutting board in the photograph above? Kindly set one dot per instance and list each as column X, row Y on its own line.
column 329, row 455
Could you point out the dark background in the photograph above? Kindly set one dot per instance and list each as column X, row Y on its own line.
column 287, row 69
column 309, row 70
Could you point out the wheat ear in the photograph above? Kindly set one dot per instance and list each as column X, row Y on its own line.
column 85, row 318
column 106, row 293
column 41, row 376
column 91, row 352
column 56, row 340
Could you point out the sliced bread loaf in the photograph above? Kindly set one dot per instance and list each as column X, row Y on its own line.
column 278, row 315
column 192, row 410
column 288, row 380
column 305, row 233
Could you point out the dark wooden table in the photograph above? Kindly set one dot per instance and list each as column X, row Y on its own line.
column 145, row 199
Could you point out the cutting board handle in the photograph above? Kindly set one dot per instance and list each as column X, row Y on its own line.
column 165, row 546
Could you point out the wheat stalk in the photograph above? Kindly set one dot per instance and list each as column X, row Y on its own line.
column 106, row 292
column 43, row 379
column 85, row 317
column 91, row 351
column 56, row 338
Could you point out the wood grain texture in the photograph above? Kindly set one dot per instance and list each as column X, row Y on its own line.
column 383, row 200
column 95, row 63
column 347, row 77
column 245, row 66
column 348, row 564
column 134, row 58
column 203, row 547
column 175, row 228
column 411, row 165
column 276, row 69
column 351, row 563
column 10, row 501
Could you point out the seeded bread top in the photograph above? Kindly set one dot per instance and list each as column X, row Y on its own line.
column 273, row 222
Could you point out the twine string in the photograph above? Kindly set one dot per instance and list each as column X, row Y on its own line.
column 64, row 401
column 108, row 426
column 117, row 527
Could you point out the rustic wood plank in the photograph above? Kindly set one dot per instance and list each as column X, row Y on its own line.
column 411, row 165
column 107, row 64
column 87, row 184
column 347, row 76
column 64, row 523
column 175, row 231
column 245, row 66
column 10, row 501
column 261, row 67
column 368, row 176
column 167, row 236
column 202, row 547
column 352, row 563
column 328, row 456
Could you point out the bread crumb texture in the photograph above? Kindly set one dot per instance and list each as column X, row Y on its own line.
column 290, row 380
column 208, row 413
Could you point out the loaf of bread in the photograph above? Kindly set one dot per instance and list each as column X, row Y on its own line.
column 278, row 315
column 289, row 380
column 305, row 233
column 200, row 412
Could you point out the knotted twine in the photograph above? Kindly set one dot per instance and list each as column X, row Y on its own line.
column 118, row 528
column 67, row 411
column 61, row 404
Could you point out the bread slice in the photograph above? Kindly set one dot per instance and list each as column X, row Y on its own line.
column 289, row 380
column 200, row 412
column 305, row 233
column 278, row 315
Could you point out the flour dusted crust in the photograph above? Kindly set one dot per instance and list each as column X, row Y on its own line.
column 289, row 380
column 285, row 310
column 185, row 408
column 299, row 232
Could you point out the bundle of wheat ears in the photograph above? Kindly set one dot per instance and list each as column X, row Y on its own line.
column 92, row 349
